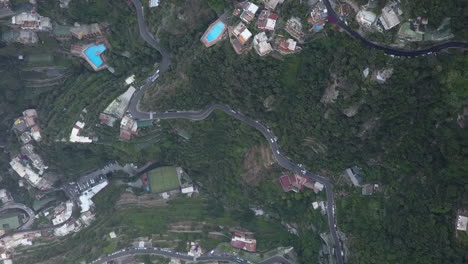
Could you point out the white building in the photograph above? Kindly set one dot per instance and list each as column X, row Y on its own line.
column 365, row 18
column 85, row 199
column 261, row 44
column 153, row 3
column 5, row 196
column 389, row 18
column 25, row 171
column 32, row 21
column 75, row 134
column 462, row 223
column 130, row 79
column 318, row 186
column 112, row 235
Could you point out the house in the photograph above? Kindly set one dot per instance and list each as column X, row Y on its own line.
column 390, row 16
column 153, row 3
column 318, row 17
column 116, row 109
column 462, row 119
column 261, row 44
column 128, row 128
column 25, row 171
column 130, row 79
column 75, row 134
column 287, row 46
column 382, row 75
column 62, row 213
column 244, row 241
column 19, row 126
column 31, row 21
column 5, row 196
column 239, row 37
column 295, row 182
column 365, row 18
column 294, row 28
column 86, row 31
column 462, row 223
column 112, row 235
column 249, row 12
column 368, row 189
column 64, row 3
column 271, row 4
column 353, row 175
column 267, row 20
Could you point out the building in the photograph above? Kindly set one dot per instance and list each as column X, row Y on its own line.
column 130, row 79
column 287, row 46
column 244, row 241
column 214, row 33
column 85, row 201
column 249, row 12
column 25, row 171
column 294, row 28
column 62, row 213
column 296, row 183
column 382, row 75
column 261, row 44
column 5, row 196
column 368, row 189
column 462, row 223
column 75, row 136
column 112, row 235
column 116, row 109
column 390, row 16
column 31, row 21
column 128, row 128
column 366, row 18
column 318, row 17
column 64, row 3
column 353, row 176
column 86, row 31
column 267, row 20
column 28, row 153
column 239, row 37
column 19, row 126
column 153, row 3
column 318, row 186
column 271, row 4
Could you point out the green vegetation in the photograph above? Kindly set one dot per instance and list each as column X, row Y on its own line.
column 9, row 223
column 163, row 179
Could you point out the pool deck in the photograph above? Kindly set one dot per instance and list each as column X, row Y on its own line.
column 220, row 37
column 83, row 55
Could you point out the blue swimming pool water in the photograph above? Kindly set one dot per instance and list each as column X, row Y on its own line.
column 93, row 53
column 215, row 31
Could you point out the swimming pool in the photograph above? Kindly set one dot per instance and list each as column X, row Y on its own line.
column 215, row 31
column 93, row 53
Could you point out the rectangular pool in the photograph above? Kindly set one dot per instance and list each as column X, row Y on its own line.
column 215, row 31
column 93, row 53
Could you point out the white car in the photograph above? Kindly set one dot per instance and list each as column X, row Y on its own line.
column 277, row 151
column 272, row 140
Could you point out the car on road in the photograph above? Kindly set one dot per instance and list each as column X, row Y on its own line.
column 277, row 152
column 272, row 140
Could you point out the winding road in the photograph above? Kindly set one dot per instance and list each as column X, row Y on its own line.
column 173, row 254
column 203, row 114
column 266, row 132
column 387, row 49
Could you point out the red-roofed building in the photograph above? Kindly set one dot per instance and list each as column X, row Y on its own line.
column 267, row 20
column 295, row 183
column 244, row 241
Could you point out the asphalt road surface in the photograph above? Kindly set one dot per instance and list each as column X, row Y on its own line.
column 202, row 114
column 173, row 254
column 387, row 49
